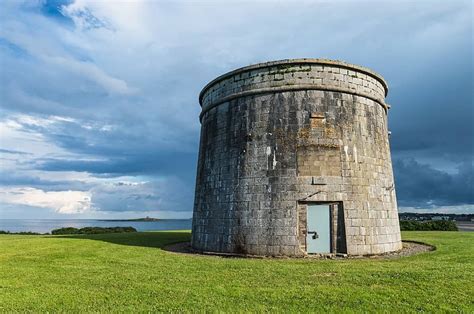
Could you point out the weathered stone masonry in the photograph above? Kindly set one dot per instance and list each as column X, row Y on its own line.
column 278, row 135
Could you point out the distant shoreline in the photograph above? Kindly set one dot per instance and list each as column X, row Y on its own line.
column 136, row 219
column 44, row 226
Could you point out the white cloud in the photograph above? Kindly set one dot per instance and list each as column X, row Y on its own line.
column 63, row 202
column 125, row 16
column 14, row 136
column 93, row 73
column 52, row 49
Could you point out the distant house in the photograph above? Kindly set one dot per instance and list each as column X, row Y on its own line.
column 441, row 218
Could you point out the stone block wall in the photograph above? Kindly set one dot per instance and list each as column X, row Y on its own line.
column 280, row 134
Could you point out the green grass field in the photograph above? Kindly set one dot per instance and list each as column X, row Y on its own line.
column 130, row 272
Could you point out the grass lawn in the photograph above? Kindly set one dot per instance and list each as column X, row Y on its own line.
column 130, row 272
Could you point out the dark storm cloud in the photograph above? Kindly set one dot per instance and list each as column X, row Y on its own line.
column 165, row 163
column 420, row 185
column 13, row 179
column 132, row 150
column 432, row 127
column 432, row 112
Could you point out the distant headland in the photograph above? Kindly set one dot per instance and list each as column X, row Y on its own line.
column 136, row 219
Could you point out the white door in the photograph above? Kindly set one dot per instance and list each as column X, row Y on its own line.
column 318, row 237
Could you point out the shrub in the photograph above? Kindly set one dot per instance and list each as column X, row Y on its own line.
column 93, row 230
column 67, row 230
column 21, row 232
column 431, row 225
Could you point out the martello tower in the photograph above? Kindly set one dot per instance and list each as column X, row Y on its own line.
column 294, row 159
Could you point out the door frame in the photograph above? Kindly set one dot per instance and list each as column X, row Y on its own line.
column 335, row 209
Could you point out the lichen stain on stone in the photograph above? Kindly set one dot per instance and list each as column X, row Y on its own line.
column 304, row 133
column 269, row 150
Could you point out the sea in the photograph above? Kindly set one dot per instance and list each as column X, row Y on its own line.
column 46, row 225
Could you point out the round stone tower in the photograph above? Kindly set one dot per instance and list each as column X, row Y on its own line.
column 294, row 159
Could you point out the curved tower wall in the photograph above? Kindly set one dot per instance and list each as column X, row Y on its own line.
column 279, row 136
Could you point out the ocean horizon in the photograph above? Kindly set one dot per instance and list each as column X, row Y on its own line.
column 46, row 225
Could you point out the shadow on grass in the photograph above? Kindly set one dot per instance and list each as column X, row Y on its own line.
column 158, row 239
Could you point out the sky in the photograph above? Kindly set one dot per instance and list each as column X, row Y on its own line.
column 99, row 99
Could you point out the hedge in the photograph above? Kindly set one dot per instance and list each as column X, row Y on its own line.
column 431, row 225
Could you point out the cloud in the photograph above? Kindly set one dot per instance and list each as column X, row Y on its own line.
column 15, row 178
column 12, row 152
column 97, row 92
column 181, row 164
column 168, row 194
column 93, row 73
column 420, row 185
column 63, row 202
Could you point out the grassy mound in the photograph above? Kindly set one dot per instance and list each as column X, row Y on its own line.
column 129, row 272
